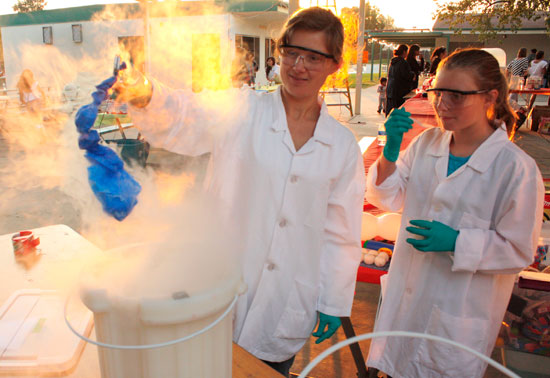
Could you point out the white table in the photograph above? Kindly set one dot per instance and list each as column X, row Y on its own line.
column 65, row 254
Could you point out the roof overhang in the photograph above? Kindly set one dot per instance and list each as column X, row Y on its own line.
column 423, row 38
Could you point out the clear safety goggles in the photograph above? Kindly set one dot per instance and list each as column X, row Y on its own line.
column 312, row 59
column 452, row 97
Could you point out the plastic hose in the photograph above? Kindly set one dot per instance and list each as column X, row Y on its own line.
column 148, row 346
column 367, row 336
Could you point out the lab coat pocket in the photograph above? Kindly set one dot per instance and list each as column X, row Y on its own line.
column 471, row 221
column 300, row 314
column 447, row 360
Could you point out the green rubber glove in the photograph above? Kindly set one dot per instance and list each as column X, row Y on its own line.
column 332, row 323
column 438, row 237
column 399, row 122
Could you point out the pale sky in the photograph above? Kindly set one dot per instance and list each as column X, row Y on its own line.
column 406, row 13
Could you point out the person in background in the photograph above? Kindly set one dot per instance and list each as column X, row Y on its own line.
column 416, row 62
column 381, row 90
column 472, row 205
column 288, row 174
column 252, row 68
column 517, row 67
column 538, row 66
column 437, row 56
column 400, row 79
column 272, row 71
column 31, row 95
column 239, row 70
column 532, row 55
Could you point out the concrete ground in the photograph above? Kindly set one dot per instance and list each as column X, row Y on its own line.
column 27, row 202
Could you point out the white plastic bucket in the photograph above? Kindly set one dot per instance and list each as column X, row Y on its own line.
column 158, row 318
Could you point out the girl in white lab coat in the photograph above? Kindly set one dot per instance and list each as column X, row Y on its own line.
column 472, row 209
column 288, row 174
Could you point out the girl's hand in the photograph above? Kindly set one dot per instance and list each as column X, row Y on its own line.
column 437, row 237
column 398, row 123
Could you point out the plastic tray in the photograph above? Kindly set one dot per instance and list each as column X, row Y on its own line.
column 34, row 339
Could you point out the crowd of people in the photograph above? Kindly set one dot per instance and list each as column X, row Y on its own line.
column 532, row 65
column 404, row 72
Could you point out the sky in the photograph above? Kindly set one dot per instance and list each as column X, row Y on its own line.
column 406, row 13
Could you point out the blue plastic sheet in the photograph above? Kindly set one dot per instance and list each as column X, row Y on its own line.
column 112, row 185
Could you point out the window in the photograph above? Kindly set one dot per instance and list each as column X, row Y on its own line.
column 251, row 44
column 77, row 33
column 47, row 35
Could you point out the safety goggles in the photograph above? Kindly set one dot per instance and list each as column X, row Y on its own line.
column 452, row 97
column 312, row 59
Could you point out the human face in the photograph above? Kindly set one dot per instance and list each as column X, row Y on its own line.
column 300, row 78
column 461, row 113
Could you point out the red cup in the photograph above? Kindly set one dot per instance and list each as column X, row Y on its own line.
column 24, row 243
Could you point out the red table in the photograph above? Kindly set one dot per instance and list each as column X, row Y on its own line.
column 421, row 112
column 534, row 92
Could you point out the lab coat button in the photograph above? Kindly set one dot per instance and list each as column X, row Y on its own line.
column 437, row 207
column 270, row 266
column 293, row 178
column 408, row 291
column 282, row 223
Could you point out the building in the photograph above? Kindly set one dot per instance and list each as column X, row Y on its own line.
column 184, row 41
column 533, row 34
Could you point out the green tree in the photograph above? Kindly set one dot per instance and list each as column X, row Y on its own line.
column 24, row 6
column 374, row 20
column 487, row 17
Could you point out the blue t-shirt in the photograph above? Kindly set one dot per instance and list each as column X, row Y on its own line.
column 455, row 162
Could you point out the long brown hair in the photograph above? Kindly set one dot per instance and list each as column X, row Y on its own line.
column 488, row 76
column 26, row 80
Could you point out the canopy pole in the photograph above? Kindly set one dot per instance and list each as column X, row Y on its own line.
column 360, row 47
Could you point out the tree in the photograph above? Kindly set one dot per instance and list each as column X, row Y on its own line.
column 24, row 6
column 374, row 20
column 487, row 17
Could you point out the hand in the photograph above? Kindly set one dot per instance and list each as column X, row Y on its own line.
column 399, row 122
column 438, row 237
column 332, row 322
column 134, row 88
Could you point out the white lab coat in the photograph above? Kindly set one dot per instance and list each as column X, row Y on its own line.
column 299, row 212
column 496, row 201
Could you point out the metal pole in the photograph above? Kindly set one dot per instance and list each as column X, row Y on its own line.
column 371, row 59
column 145, row 7
column 380, row 62
column 360, row 47
column 293, row 6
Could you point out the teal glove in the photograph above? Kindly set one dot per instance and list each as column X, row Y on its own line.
column 399, row 122
column 332, row 322
column 438, row 237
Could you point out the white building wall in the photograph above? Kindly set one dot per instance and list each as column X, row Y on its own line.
column 64, row 60
column 170, row 48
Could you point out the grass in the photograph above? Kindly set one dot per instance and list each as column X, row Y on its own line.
column 367, row 82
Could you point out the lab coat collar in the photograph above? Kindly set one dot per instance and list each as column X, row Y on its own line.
column 323, row 130
column 483, row 156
